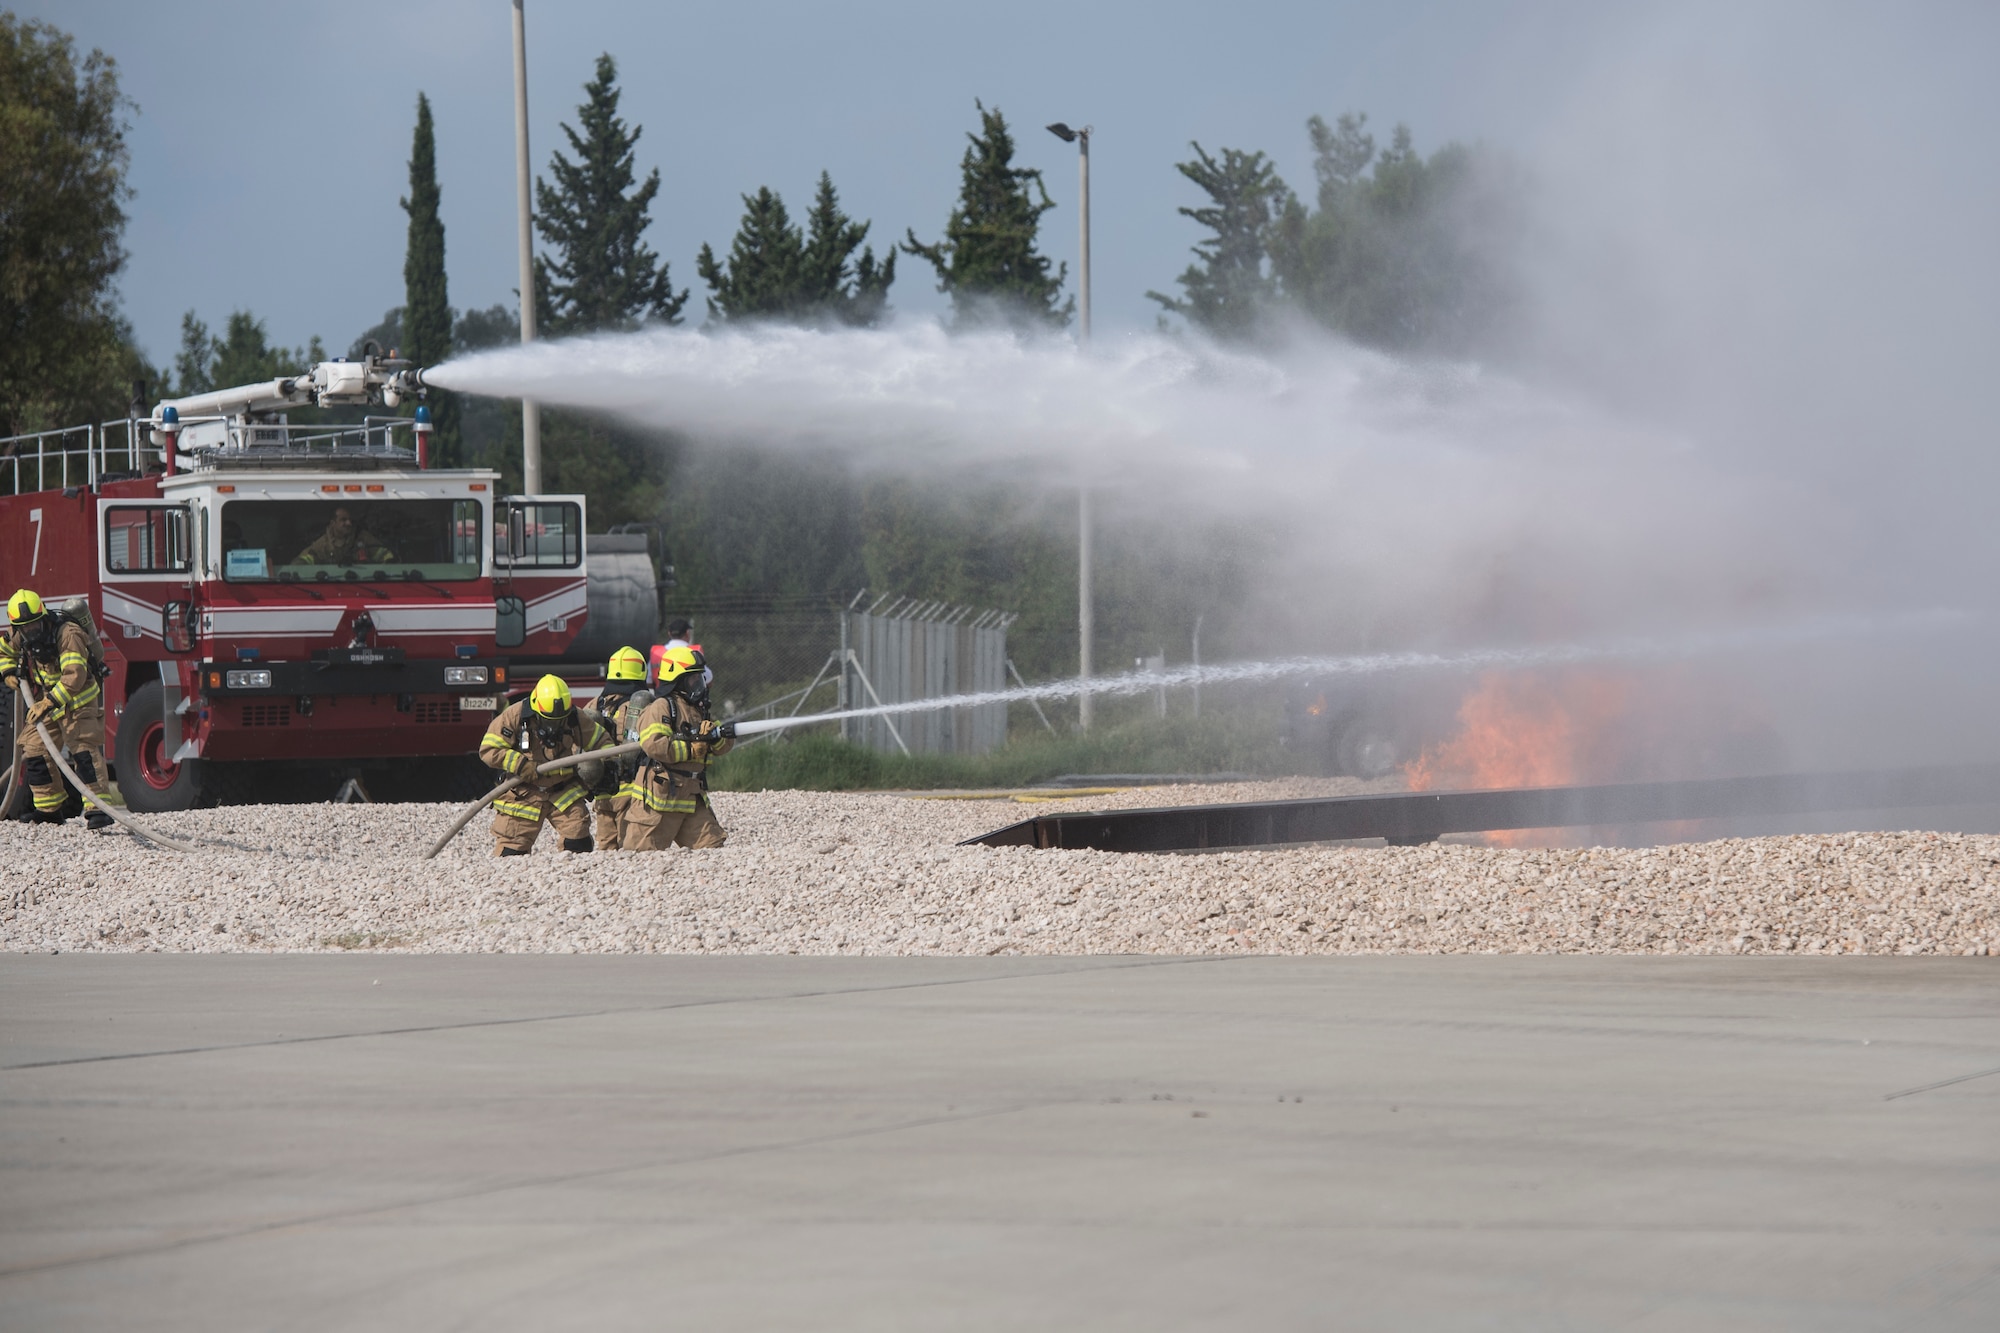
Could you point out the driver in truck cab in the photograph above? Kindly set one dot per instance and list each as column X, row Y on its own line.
column 344, row 542
column 60, row 662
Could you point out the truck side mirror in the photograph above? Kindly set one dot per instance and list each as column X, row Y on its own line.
column 177, row 626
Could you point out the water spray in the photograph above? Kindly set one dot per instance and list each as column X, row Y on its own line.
column 1371, row 664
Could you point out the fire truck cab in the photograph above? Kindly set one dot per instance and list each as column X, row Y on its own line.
column 275, row 596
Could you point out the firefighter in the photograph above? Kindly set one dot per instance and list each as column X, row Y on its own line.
column 546, row 725
column 56, row 656
column 624, row 687
column 666, row 802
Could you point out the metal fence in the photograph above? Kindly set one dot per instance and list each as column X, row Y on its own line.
column 765, row 650
column 901, row 650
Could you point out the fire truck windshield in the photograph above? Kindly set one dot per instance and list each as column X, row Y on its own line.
column 317, row 540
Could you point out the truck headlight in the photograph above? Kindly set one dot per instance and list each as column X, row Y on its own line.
column 247, row 680
column 465, row 675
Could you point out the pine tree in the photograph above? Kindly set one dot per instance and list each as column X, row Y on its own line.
column 242, row 355
column 987, row 261
column 1403, row 252
column 191, row 363
column 764, row 277
column 853, row 291
column 775, row 270
column 427, row 317
column 602, row 275
column 1228, row 292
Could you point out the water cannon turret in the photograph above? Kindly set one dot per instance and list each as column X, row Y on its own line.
column 249, row 415
column 373, row 380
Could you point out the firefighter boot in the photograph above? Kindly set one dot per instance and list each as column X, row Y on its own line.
column 513, row 851
column 97, row 821
column 583, row 844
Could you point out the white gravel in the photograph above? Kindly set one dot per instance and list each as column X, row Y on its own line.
column 820, row 873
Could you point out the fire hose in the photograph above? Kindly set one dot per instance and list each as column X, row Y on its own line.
column 14, row 762
column 118, row 817
column 552, row 766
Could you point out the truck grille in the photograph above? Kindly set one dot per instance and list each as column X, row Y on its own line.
column 267, row 715
column 435, row 711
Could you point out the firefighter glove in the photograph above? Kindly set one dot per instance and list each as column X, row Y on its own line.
column 41, row 710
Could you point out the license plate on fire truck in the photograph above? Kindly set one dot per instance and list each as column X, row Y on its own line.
column 478, row 703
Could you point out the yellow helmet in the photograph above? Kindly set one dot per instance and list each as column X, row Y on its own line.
column 24, row 607
column 677, row 662
column 551, row 697
column 626, row 664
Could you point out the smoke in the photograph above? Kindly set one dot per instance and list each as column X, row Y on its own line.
column 1748, row 387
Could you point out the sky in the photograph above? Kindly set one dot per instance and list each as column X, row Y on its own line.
column 271, row 143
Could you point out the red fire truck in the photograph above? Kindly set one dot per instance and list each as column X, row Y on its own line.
column 277, row 598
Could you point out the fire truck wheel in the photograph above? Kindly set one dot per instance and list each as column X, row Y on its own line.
column 149, row 780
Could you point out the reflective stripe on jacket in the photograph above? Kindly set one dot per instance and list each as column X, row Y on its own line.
column 68, row 682
column 501, row 747
column 670, row 782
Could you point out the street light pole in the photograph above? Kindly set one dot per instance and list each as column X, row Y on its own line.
column 1083, row 222
column 531, row 411
column 1086, row 618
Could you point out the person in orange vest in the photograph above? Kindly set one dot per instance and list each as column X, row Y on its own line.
column 680, row 634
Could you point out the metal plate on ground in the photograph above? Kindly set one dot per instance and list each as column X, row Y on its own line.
column 1419, row 817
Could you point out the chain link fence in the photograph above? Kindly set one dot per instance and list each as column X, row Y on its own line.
column 765, row 650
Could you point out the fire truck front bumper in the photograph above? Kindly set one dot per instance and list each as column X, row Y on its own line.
column 346, row 710
column 353, row 673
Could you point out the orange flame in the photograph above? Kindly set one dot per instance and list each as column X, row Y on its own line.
column 1530, row 731
column 1587, row 725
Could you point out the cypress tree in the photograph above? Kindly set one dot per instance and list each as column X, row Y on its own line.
column 987, row 261
column 426, row 304
column 602, row 275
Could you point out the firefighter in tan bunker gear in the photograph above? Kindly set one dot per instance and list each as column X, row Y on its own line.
column 55, row 655
column 546, row 725
column 666, row 802
column 624, row 697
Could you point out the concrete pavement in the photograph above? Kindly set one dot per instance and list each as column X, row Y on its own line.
column 916, row 1143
